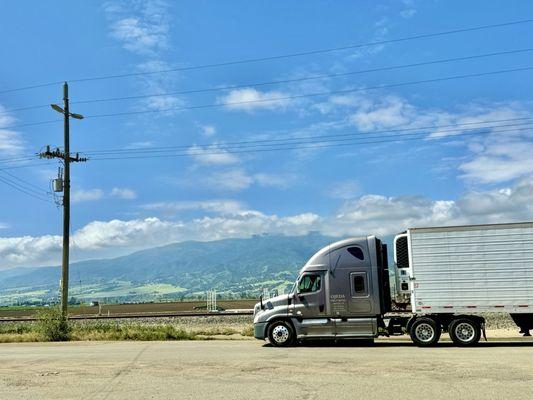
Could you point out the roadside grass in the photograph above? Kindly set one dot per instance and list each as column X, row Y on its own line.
column 48, row 328
column 154, row 329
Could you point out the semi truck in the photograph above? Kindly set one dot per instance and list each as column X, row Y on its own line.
column 443, row 279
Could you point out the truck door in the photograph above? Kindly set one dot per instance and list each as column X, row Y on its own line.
column 359, row 286
column 310, row 305
column 360, row 304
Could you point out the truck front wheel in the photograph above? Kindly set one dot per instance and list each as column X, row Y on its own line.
column 281, row 333
column 425, row 331
column 464, row 332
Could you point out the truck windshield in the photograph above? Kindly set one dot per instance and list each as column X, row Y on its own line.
column 309, row 283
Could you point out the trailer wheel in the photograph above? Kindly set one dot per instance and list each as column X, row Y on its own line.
column 425, row 331
column 281, row 333
column 464, row 332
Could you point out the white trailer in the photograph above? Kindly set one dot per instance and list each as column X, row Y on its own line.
column 468, row 269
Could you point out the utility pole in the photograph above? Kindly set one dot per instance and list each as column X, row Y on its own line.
column 67, row 159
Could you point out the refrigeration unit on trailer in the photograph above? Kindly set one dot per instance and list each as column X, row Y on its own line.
column 444, row 278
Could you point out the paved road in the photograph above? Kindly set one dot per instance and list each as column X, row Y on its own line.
column 248, row 369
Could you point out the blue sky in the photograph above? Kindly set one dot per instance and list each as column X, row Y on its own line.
column 210, row 193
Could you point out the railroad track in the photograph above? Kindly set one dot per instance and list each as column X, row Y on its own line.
column 134, row 316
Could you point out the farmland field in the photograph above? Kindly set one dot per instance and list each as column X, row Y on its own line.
column 180, row 306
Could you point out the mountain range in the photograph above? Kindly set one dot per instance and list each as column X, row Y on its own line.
column 233, row 267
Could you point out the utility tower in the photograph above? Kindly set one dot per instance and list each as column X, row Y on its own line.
column 212, row 301
column 66, row 159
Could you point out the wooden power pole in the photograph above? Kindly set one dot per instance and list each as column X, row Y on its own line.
column 66, row 159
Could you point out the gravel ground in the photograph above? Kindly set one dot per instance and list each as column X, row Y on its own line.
column 494, row 321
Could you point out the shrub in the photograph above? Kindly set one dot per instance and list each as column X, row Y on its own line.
column 52, row 326
column 248, row 331
column 15, row 328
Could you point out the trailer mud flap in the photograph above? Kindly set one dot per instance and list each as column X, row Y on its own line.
column 484, row 332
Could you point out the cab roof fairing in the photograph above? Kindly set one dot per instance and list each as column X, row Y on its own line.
column 320, row 261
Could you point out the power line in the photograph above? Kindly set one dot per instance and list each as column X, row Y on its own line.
column 279, row 141
column 30, row 185
column 30, row 165
column 274, row 149
column 302, row 79
column 298, row 146
column 17, row 159
column 325, row 93
column 286, row 141
column 282, row 56
column 36, row 86
column 326, row 144
column 31, row 124
column 274, row 99
column 270, row 142
column 276, row 82
column 12, row 110
column 29, row 189
column 23, row 190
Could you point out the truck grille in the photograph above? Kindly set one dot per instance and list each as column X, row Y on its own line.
column 402, row 253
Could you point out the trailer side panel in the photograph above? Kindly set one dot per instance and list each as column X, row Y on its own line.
column 471, row 269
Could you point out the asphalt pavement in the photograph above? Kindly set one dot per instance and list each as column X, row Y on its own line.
column 250, row 369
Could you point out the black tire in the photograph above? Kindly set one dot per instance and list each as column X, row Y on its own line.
column 425, row 332
column 281, row 334
column 464, row 332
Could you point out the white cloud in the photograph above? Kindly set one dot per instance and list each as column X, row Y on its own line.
column 383, row 215
column 3, row 225
column 380, row 33
column 368, row 214
column 384, row 112
column 157, row 84
column 250, row 99
column 123, row 193
column 499, row 156
column 218, row 206
column 386, row 215
column 104, row 238
column 212, row 155
column 81, row 195
column 84, row 195
column 142, row 27
column 28, row 250
column 237, row 179
column 233, row 179
column 497, row 151
column 10, row 141
column 499, row 162
column 409, row 10
column 379, row 111
column 408, row 13
column 280, row 181
column 140, row 145
column 208, row 130
column 475, row 114
column 344, row 190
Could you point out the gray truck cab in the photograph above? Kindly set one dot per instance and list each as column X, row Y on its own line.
column 341, row 292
